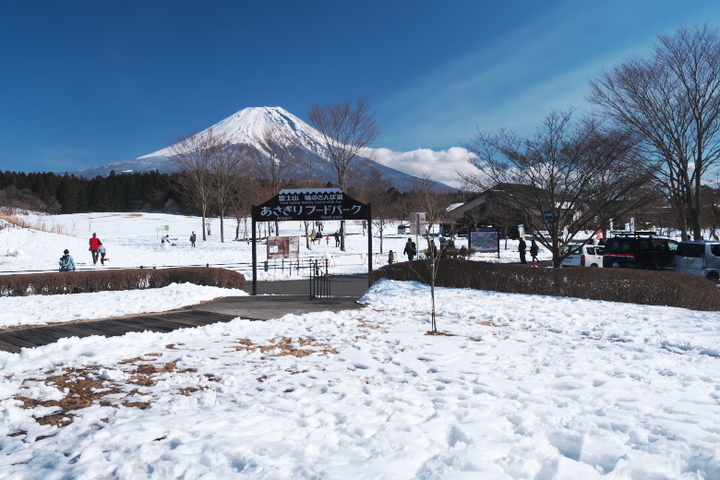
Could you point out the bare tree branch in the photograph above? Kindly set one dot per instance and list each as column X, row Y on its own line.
column 568, row 176
column 346, row 128
column 671, row 101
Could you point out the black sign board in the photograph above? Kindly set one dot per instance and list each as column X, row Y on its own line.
column 315, row 205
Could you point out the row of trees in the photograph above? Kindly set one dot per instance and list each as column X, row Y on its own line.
column 159, row 192
column 656, row 130
column 52, row 193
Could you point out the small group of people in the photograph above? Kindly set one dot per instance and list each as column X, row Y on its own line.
column 431, row 252
column 318, row 236
column 166, row 241
column 522, row 248
column 97, row 251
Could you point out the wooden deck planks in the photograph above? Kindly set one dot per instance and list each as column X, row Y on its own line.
column 288, row 297
column 12, row 341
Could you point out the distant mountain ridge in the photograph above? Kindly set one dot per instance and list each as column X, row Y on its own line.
column 247, row 127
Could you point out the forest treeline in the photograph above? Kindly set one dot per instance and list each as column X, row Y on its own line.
column 160, row 192
column 127, row 192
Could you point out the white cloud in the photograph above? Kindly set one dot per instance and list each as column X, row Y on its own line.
column 441, row 166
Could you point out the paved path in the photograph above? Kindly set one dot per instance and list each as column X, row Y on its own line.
column 274, row 300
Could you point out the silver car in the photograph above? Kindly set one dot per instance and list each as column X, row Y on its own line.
column 699, row 258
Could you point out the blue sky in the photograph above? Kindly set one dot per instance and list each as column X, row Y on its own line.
column 83, row 83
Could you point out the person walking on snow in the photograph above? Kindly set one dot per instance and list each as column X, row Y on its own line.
column 94, row 247
column 534, row 252
column 522, row 246
column 410, row 249
column 67, row 264
column 193, row 238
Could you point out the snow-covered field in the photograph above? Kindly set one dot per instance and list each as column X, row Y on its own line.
column 133, row 240
column 517, row 387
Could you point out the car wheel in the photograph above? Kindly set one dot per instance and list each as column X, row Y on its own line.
column 594, row 265
column 713, row 276
column 650, row 266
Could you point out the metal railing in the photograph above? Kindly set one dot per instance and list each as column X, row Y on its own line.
column 319, row 279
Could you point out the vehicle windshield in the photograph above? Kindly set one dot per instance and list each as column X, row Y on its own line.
column 573, row 249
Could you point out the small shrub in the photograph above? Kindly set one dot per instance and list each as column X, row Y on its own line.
column 614, row 285
column 112, row 280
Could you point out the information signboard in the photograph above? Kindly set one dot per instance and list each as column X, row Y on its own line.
column 311, row 205
column 484, row 241
column 283, row 247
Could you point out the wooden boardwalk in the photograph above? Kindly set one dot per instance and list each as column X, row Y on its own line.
column 261, row 307
column 13, row 340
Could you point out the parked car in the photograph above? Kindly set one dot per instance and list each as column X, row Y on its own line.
column 640, row 250
column 584, row 256
column 699, row 258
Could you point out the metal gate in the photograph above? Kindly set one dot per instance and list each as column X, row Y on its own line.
column 319, row 279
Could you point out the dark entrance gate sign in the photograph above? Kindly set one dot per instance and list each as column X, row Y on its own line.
column 314, row 204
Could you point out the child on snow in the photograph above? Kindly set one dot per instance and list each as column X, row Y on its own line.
column 102, row 253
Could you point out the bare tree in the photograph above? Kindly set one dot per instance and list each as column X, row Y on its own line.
column 240, row 203
column 426, row 199
column 346, row 128
column 226, row 165
column 672, row 102
column 192, row 156
column 273, row 163
column 382, row 194
column 565, row 177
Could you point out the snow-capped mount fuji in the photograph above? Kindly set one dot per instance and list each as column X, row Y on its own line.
column 247, row 127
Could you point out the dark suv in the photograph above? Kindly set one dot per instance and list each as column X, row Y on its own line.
column 640, row 250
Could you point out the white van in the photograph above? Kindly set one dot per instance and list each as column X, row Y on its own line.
column 699, row 258
column 584, row 256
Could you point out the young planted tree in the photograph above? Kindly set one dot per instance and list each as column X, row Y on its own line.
column 671, row 101
column 567, row 176
column 346, row 128
column 426, row 199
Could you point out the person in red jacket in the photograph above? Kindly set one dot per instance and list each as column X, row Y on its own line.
column 94, row 247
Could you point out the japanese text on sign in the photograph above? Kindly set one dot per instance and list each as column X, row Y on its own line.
column 299, row 205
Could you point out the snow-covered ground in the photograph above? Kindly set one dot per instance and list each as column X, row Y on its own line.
column 517, row 387
column 133, row 240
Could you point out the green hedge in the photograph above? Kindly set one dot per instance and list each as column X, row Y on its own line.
column 110, row 280
column 645, row 287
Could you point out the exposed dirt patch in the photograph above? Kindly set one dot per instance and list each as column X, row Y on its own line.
column 87, row 386
column 286, row 346
column 491, row 324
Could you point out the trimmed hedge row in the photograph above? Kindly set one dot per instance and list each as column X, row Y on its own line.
column 109, row 280
column 615, row 285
